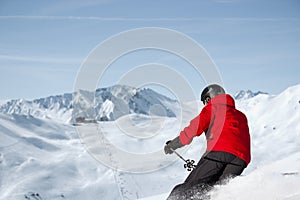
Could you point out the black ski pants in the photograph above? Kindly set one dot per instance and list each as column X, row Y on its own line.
column 213, row 167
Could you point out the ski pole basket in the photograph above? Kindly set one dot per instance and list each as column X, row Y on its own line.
column 189, row 165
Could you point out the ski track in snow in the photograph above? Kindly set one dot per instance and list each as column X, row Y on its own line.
column 43, row 159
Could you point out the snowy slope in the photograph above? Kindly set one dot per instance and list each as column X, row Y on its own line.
column 46, row 158
column 42, row 158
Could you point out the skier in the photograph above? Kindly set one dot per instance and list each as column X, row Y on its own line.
column 228, row 143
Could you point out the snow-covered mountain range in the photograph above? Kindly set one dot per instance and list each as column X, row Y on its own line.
column 105, row 104
column 42, row 158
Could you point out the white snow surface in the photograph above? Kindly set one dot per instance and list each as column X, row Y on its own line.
column 43, row 159
column 106, row 108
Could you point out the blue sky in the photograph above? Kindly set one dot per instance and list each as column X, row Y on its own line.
column 255, row 44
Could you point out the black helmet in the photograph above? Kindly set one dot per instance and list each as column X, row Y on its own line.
column 210, row 92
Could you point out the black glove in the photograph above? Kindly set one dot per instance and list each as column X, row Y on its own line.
column 172, row 145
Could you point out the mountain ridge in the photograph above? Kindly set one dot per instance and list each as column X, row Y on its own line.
column 247, row 94
column 105, row 104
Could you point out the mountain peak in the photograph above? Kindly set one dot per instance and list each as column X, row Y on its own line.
column 242, row 94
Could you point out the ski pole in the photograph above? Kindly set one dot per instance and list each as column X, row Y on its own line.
column 189, row 164
column 178, row 155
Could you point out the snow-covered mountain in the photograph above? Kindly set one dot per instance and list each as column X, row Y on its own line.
column 53, row 107
column 242, row 94
column 42, row 159
column 105, row 104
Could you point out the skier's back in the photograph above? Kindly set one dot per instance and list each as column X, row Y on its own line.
column 228, row 142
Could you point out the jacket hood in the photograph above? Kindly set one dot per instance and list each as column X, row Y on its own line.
column 223, row 99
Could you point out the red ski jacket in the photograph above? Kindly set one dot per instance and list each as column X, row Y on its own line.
column 225, row 127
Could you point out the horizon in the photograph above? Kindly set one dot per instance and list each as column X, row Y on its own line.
column 162, row 92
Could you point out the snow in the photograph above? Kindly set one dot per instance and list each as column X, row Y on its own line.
column 266, row 182
column 106, row 108
column 44, row 158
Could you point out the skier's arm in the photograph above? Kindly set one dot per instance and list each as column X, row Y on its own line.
column 196, row 127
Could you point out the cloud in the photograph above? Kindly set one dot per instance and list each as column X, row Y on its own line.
column 40, row 59
column 43, row 17
column 64, row 6
column 175, row 19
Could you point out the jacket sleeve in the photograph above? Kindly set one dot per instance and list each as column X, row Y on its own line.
column 197, row 126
